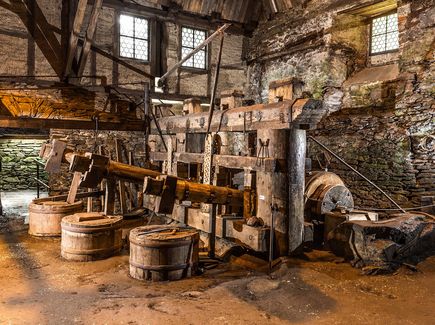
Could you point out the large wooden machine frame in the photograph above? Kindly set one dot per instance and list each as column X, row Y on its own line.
column 260, row 149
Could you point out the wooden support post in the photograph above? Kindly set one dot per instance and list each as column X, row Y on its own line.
column 74, row 37
column 90, row 33
column 132, row 188
column 192, row 106
column 109, row 199
column 296, row 172
column 272, row 188
column 102, row 184
column 146, row 108
column 212, row 234
column 74, row 187
column 121, row 184
column 215, row 83
column 90, row 202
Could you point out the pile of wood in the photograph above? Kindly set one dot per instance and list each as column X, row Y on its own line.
column 382, row 247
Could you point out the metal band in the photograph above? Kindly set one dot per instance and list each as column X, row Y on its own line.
column 89, row 230
column 165, row 244
column 161, row 267
column 91, row 251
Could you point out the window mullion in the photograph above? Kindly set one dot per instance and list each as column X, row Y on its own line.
column 134, row 38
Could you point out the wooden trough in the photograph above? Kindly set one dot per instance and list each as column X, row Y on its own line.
column 90, row 236
column 45, row 217
column 161, row 253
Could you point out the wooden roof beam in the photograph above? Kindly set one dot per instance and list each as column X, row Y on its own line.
column 74, row 37
column 41, row 124
column 39, row 28
column 90, row 34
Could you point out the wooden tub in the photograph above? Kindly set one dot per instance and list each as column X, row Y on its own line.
column 45, row 216
column 161, row 253
column 90, row 236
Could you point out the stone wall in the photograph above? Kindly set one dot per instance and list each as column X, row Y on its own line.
column 18, row 163
column 382, row 124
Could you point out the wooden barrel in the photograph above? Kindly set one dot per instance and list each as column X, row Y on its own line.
column 90, row 236
column 45, row 216
column 161, row 253
column 127, row 226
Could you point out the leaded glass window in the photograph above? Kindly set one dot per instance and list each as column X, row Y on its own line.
column 190, row 39
column 385, row 34
column 133, row 37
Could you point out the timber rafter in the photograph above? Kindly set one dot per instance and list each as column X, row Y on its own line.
column 33, row 18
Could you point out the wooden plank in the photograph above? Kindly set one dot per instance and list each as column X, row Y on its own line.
column 13, row 33
column 74, row 187
column 74, row 37
column 89, row 202
column 90, row 34
column 65, row 196
column 31, row 43
column 65, row 26
column 227, row 161
column 35, row 123
column 109, row 199
column 236, row 230
column 121, row 184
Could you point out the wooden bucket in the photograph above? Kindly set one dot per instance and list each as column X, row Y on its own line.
column 45, row 216
column 161, row 253
column 90, row 236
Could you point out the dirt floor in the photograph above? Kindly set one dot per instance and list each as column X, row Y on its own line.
column 38, row 287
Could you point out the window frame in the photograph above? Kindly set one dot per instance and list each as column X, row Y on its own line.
column 148, row 40
column 371, row 33
column 206, row 49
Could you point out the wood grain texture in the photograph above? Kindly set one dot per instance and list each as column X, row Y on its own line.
column 90, row 236
column 45, row 217
column 171, row 254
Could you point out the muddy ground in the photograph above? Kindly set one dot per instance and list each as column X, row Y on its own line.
column 38, row 287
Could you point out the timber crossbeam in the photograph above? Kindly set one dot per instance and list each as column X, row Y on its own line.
column 300, row 113
column 271, row 165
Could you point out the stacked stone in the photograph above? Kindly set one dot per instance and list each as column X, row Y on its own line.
column 386, row 128
column 18, row 164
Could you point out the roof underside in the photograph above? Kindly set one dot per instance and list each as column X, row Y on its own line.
column 240, row 11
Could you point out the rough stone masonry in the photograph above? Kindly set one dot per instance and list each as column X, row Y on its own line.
column 381, row 109
column 18, row 168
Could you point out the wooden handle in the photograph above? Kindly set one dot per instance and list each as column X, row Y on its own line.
column 90, row 218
